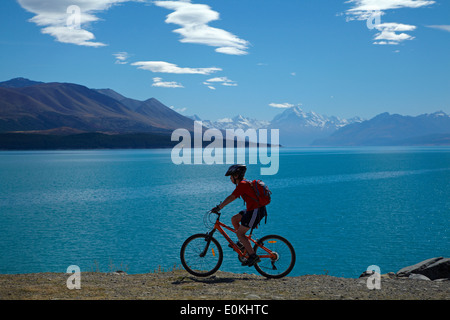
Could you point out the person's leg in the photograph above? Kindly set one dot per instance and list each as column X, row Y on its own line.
column 252, row 258
column 249, row 219
column 243, row 239
column 235, row 221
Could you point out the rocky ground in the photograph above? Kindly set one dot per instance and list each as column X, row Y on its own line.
column 179, row 285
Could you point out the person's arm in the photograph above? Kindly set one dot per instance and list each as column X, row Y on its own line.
column 227, row 201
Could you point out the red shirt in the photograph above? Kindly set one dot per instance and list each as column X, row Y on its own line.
column 245, row 190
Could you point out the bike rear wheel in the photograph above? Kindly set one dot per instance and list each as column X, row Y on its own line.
column 201, row 255
column 284, row 257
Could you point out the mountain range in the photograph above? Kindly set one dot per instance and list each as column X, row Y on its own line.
column 300, row 128
column 297, row 127
column 35, row 114
column 35, row 106
column 393, row 129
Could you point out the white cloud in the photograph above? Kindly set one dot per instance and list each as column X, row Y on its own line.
column 373, row 10
column 179, row 110
column 157, row 82
column 441, row 27
column 73, row 36
column 166, row 67
column 362, row 7
column 220, row 80
column 394, row 27
column 388, row 33
column 66, row 19
column 121, row 57
column 231, row 50
column 194, row 19
column 281, row 105
column 392, row 37
column 229, row 84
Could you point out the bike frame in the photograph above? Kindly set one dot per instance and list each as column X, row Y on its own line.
column 218, row 226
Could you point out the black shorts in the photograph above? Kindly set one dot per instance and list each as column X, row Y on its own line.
column 251, row 218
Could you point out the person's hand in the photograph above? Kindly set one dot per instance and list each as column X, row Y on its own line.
column 216, row 209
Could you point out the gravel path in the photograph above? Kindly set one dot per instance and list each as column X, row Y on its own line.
column 179, row 285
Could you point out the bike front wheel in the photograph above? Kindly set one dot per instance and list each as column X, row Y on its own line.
column 201, row 255
column 282, row 258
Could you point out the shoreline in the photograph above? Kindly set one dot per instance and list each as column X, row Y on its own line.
column 179, row 285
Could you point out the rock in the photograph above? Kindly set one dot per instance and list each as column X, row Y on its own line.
column 434, row 268
column 367, row 274
column 120, row 272
column 416, row 276
column 442, row 279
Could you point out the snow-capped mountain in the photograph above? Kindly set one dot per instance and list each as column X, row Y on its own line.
column 238, row 122
column 297, row 127
column 295, row 117
column 301, row 128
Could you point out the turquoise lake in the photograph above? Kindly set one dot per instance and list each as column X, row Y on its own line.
column 343, row 209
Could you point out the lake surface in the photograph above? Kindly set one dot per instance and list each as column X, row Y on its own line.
column 343, row 209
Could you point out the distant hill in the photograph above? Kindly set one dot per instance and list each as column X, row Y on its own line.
column 153, row 109
column 393, row 129
column 89, row 140
column 27, row 105
column 18, row 83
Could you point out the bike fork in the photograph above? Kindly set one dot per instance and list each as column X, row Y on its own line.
column 208, row 241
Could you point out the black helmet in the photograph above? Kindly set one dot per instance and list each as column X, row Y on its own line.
column 238, row 169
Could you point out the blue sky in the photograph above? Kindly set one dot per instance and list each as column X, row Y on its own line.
column 220, row 58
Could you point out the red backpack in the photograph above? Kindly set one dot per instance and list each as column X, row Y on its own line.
column 262, row 192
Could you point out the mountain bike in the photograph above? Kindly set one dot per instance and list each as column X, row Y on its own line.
column 202, row 255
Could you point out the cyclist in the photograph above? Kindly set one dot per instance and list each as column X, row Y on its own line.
column 246, row 219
